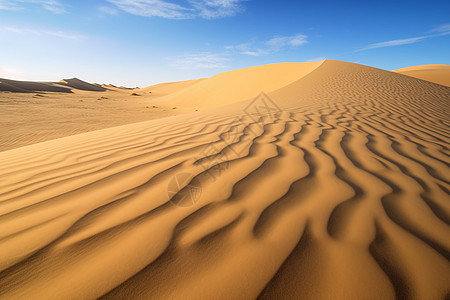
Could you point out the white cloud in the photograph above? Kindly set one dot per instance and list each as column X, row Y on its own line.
column 394, row 43
column 207, row 60
column 39, row 32
column 247, row 49
column 212, row 9
column 440, row 31
column 442, row 28
column 207, row 9
column 8, row 5
column 273, row 45
column 283, row 41
column 320, row 58
column 53, row 6
column 108, row 10
column 200, row 61
column 153, row 8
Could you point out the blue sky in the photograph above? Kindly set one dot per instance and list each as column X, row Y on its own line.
column 143, row 42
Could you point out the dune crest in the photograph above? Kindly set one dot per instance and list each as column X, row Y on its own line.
column 435, row 73
column 82, row 85
column 333, row 185
column 164, row 89
column 239, row 85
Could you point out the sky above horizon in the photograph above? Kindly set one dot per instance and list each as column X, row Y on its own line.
column 143, row 42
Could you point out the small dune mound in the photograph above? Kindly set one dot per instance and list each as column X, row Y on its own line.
column 439, row 74
column 82, row 85
column 164, row 89
column 28, row 86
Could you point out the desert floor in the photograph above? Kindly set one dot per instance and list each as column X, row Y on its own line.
column 332, row 184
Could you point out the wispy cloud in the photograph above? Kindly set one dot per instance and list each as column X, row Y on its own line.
column 207, row 9
column 108, row 10
column 273, row 45
column 153, row 8
column 394, row 43
column 438, row 31
column 8, row 5
column 441, row 28
column 53, row 33
column 283, row 41
column 204, row 60
column 53, row 6
column 248, row 49
column 320, row 58
column 212, row 9
column 208, row 60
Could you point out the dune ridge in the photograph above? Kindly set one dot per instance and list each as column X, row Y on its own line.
column 339, row 189
column 9, row 85
column 168, row 88
column 435, row 73
column 238, row 85
column 81, row 85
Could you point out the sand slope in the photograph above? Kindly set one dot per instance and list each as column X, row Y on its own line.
column 164, row 89
column 29, row 118
column 239, row 85
column 81, row 85
column 29, row 86
column 338, row 189
column 435, row 73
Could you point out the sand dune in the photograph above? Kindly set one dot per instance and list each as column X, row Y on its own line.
column 435, row 73
column 6, row 87
column 82, row 85
column 239, row 85
column 164, row 89
column 334, row 185
column 28, row 86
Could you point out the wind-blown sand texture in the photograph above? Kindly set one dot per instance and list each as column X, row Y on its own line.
column 435, row 73
column 339, row 191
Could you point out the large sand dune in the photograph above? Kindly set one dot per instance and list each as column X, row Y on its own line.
column 435, row 73
column 334, row 185
column 239, row 85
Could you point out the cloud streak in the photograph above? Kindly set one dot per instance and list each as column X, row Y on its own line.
column 273, row 45
column 206, row 9
column 208, row 60
column 283, row 41
column 203, row 60
column 53, row 33
column 438, row 31
column 52, row 6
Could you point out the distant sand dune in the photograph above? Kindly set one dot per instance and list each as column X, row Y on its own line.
column 6, row 87
column 435, row 73
column 339, row 191
column 28, row 86
column 82, row 85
